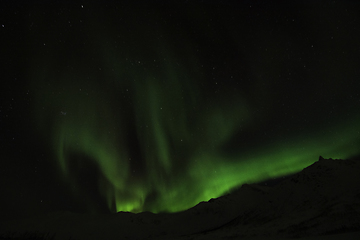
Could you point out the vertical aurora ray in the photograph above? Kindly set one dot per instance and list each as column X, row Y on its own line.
column 146, row 116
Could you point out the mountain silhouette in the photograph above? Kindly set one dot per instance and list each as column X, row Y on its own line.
column 322, row 200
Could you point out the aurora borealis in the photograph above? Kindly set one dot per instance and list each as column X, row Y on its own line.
column 159, row 108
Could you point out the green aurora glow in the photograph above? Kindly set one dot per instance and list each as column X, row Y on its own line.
column 156, row 137
column 181, row 163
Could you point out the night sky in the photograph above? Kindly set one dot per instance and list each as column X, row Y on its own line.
column 157, row 107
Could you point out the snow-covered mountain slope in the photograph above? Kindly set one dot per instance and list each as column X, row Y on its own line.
column 323, row 199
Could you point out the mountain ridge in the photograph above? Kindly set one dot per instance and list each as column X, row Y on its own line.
column 322, row 199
